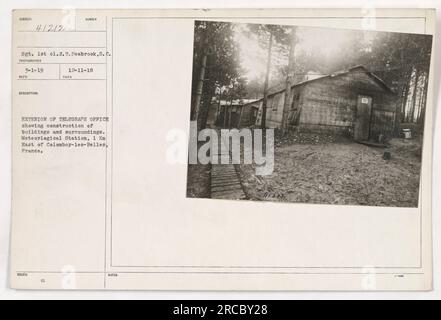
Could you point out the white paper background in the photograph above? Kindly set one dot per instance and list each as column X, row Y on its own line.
column 5, row 39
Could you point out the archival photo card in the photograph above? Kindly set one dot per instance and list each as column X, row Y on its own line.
column 307, row 115
column 136, row 133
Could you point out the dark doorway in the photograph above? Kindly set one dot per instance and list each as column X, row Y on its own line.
column 253, row 115
column 363, row 118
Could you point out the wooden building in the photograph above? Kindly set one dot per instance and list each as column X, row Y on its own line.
column 232, row 114
column 353, row 102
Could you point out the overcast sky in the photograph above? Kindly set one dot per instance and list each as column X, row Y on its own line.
column 253, row 56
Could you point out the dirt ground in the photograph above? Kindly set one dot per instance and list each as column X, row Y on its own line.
column 198, row 181
column 320, row 169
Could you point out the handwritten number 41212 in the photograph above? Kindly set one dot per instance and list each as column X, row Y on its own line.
column 49, row 28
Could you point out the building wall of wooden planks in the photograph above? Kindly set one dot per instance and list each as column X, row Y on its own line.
column 329, row 104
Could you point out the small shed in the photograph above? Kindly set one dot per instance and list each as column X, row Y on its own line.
column 238, row 113
column 354, row 102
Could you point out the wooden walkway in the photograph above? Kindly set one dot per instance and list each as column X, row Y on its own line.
column 225, row 183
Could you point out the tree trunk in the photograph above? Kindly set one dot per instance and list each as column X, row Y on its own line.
column 225, row 114
column 289, row 81
column 204, row 112
column 229, row 112
column 420, row 98
column 400, row 111
column 405, row 93
column 414, row 95
column 424, row 99
column 219, row 107
column 265, row 86
column 229, row 109
column 201, row 77
column 205, row 105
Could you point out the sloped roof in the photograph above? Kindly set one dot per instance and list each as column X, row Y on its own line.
column 361, row 68
column 236, row 102
column 280, row 87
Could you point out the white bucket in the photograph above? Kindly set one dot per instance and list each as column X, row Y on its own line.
column 407, row 134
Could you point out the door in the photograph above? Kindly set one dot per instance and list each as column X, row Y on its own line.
column 363, row 118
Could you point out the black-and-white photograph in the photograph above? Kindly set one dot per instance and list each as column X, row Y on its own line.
column 307, row 115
